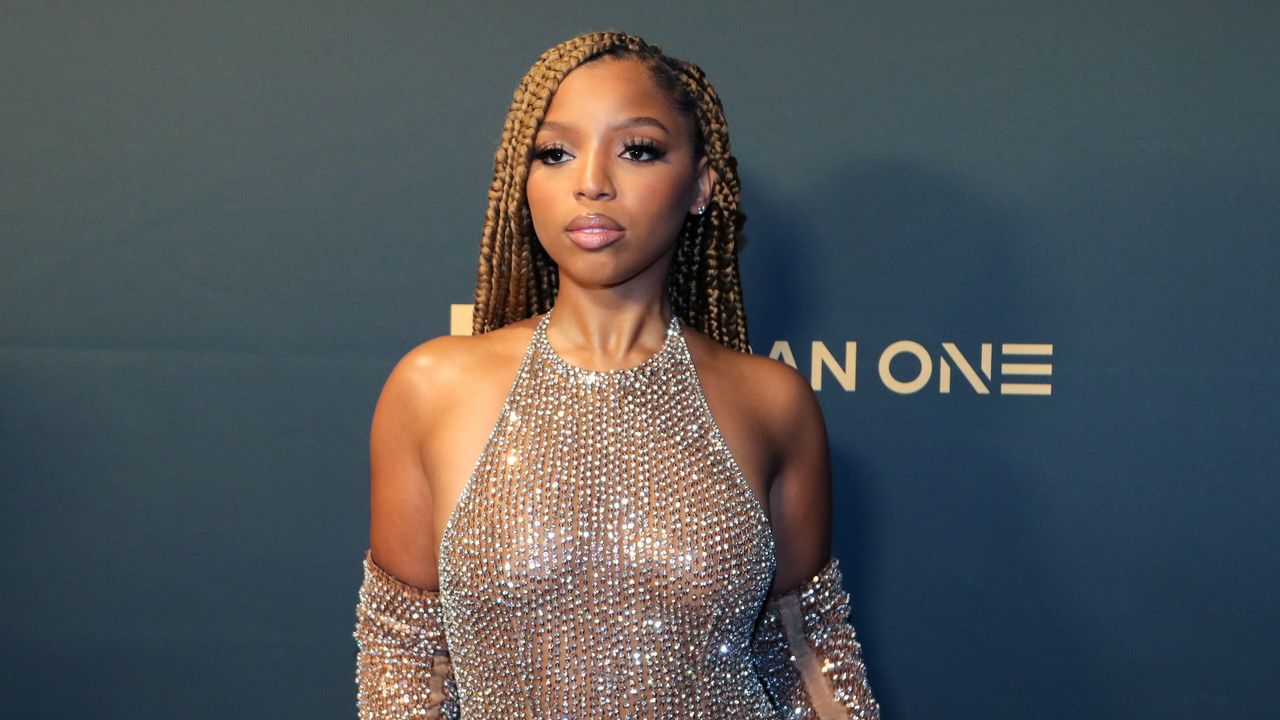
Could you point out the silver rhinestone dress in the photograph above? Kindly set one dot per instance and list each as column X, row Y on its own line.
column 607, row 559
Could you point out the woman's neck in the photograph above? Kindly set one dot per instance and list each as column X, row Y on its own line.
column 602, row 329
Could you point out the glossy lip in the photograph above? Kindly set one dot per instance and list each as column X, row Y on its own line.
column 593, row 231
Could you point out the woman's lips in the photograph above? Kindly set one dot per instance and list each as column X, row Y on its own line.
column 594, row 231
column 595, row 238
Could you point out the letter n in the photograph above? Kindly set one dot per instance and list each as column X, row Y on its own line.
column 845, row 374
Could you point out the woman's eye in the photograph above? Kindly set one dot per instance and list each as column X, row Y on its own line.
column 551, row 155
column 641, row 151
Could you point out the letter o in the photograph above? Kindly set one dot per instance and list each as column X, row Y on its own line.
column 896, row 349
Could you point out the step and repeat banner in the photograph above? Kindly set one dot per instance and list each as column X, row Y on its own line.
column 1026, row 254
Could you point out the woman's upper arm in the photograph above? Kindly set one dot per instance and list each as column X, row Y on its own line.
column 401, row 531
column 800, row 492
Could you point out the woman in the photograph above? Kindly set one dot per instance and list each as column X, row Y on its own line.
column 646, row 531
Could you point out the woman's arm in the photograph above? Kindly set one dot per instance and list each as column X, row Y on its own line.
column 807, row 652
column 402, row 665
column 800, row 493
column 401, row 530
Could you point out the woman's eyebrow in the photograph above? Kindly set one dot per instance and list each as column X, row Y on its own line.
column 628, row 123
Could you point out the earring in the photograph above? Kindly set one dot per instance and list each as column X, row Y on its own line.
column 702, row 209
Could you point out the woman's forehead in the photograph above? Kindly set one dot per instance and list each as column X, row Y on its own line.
column 610, row 86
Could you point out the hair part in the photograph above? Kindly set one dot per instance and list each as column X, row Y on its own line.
column 517, row 279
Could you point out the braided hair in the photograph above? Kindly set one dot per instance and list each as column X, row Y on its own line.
column 516, row 278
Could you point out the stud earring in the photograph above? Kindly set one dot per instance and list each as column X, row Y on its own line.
column 702, row 209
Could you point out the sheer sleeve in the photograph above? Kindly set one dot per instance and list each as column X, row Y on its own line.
column 808, row 656
column 402, row 661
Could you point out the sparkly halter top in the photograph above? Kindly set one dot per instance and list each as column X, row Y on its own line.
column 606, row 559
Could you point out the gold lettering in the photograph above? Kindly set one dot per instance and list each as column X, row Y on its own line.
column 944, row 369
column 781, row 350
column 1023, row 369
column 846, row 375
column 912, row 348
column 460, row 319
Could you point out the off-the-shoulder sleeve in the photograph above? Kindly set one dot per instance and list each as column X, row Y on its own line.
column 402, row 664
column 807, row 653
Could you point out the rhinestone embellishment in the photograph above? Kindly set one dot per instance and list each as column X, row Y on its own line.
column 606, row 558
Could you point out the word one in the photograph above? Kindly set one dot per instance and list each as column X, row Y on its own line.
column 1014, row 364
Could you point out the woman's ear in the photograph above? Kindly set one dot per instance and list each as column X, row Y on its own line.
column 706, row 179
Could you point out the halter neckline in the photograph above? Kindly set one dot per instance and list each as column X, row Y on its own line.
column 669, row 347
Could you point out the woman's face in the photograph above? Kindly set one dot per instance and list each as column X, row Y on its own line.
column 613, row 176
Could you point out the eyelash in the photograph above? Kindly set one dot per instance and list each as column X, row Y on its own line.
column 544, row 153
column 644, row 145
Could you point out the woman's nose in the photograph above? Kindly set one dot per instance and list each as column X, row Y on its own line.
column 594, row 181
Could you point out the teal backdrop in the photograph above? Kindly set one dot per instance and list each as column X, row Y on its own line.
column 222, row 223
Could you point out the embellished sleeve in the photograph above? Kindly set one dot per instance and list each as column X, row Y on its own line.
column 808, row 656
column 402, row 661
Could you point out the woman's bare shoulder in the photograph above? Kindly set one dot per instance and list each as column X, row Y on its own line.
column 770, row 385
column 441, row 366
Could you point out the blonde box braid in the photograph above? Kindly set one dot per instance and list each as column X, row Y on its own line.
column 516, row 278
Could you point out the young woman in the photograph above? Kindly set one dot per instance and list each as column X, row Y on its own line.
column 646, row 530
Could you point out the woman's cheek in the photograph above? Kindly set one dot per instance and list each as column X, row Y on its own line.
column 540, row 210
column 669, row 195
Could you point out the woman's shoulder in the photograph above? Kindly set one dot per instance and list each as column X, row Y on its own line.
column 443, row 365
column 461, row 351
column 778, row 394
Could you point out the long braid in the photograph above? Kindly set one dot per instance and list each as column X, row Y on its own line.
column 516, row 278
column 721, row 286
